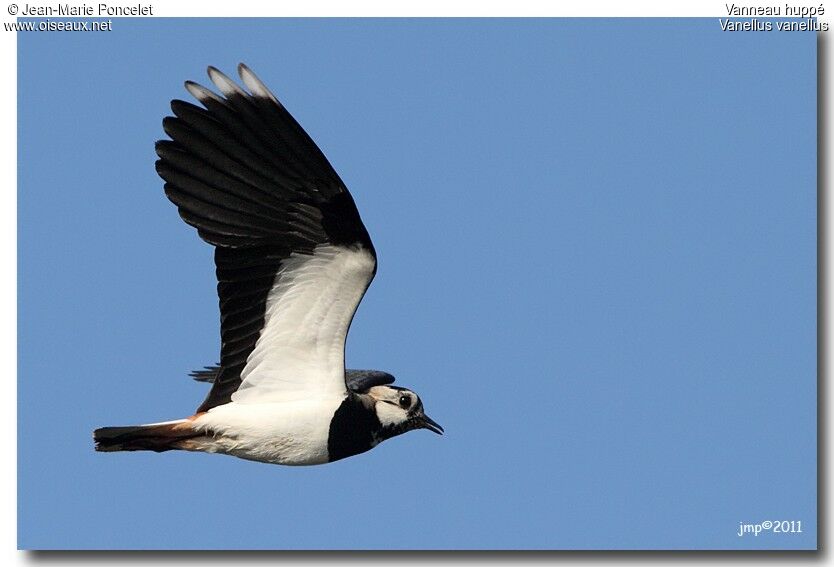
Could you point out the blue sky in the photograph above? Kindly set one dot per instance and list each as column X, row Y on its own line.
column 597, row 267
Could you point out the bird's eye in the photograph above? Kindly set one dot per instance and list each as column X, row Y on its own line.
column 405, row 401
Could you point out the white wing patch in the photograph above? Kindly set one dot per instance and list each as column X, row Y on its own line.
column 300, row 352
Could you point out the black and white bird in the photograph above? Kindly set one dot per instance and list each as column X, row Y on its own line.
column 293, row 261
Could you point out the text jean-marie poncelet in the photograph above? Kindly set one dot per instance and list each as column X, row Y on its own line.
column 86, row 10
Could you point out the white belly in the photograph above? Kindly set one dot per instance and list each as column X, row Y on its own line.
column 285, row 433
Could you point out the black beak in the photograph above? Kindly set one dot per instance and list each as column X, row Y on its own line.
column 425, row 422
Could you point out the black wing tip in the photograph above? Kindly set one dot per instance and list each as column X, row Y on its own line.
column 206, row 374
column 169, row 124
column 179, row 105
column 165, row 149
column 164, row 145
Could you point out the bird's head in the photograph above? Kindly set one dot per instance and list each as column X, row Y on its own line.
column 400, row 410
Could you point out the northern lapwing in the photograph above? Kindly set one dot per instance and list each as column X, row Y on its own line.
column 293, row 261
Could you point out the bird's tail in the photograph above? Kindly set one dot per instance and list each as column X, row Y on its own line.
column 153, row 437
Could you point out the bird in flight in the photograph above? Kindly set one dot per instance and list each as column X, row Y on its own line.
column 293, row 261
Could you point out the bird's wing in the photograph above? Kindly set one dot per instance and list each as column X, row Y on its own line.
column 293, row 257
column 361, row 380
column 356, row 380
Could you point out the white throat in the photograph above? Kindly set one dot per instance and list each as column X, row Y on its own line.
column 389, row 414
